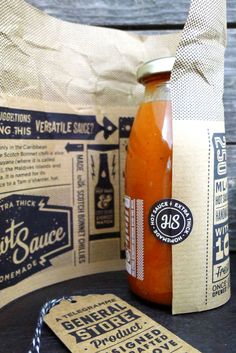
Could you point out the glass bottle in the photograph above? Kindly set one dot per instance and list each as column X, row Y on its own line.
column 148, row 179
column 104, row 196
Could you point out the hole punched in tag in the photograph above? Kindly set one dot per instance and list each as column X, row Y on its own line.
column 73, row 301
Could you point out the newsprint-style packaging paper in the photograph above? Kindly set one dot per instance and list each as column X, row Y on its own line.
column 68, row 97
column 201, row 279
column 107, row 324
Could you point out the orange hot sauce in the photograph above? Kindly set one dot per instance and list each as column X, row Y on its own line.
column 148, row 177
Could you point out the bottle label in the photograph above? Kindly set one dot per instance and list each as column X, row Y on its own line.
column 134, row 230
column 171, row 221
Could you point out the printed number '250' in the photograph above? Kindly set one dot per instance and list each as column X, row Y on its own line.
column 221, row 155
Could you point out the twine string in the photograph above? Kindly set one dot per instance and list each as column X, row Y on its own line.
column 36, row 342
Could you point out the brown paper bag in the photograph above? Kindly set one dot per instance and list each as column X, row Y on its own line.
column 68, row 96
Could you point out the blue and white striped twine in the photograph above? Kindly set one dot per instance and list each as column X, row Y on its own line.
column 36, row 343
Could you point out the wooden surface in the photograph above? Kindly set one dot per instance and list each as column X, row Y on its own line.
column 124, row 13
column 211, row 332
column 159, row 16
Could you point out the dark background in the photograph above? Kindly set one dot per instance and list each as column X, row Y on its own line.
column 210, row 332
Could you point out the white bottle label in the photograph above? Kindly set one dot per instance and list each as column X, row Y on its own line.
column 134, row 230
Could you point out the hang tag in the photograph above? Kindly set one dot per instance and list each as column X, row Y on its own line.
column 107, row 324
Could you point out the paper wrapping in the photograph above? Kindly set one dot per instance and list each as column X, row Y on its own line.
column 201, row 268
column 68, row 97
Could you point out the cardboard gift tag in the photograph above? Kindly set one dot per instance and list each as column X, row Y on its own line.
column 107, row 324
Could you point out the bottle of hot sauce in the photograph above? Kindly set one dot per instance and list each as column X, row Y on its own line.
column 148, row 179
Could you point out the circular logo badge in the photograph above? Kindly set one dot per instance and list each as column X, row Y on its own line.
column 171, row 221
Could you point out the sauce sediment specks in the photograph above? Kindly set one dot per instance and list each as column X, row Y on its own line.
column 149, row 178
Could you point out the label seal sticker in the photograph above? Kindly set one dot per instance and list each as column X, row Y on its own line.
column 107, row 324
column 171, row 221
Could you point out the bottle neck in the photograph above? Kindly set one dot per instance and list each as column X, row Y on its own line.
column 157, row 88
column 103, row 169
column 161, row 92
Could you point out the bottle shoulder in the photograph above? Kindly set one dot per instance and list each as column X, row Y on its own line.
column 152, row 116
column 152, row 128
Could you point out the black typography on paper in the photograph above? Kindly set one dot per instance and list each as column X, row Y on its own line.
column 32, row 232
column 220, row 228
column 19, row 123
